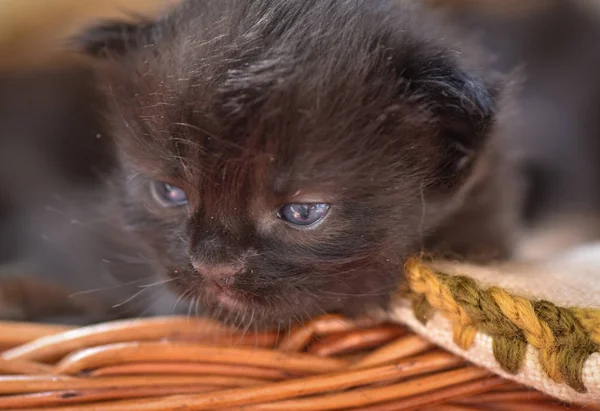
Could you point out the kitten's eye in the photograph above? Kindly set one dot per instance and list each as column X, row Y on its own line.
column 168, row 195
column 303, row 214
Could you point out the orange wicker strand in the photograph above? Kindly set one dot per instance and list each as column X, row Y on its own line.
column 22, row 385
column 324, row 325
column 16, row 333
column 23, row 367
column 402, row 348
column 183, row 368
column 348, row 342
column 365, row 396
column 60, row 398
column 55, row 346
column 113, row 354
column 430, row 398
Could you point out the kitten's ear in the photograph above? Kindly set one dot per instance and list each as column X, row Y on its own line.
column 466, row 109
column 111, row 38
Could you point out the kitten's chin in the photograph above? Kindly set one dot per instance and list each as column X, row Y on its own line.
column 227, row 298
column 263, row 310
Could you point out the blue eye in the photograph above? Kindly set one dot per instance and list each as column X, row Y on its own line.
column 303, row 214
column 168, row 195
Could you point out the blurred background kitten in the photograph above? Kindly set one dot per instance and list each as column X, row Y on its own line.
column 59, row 253
column 557, row 129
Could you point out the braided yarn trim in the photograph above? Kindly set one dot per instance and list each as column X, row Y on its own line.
column 564, row 336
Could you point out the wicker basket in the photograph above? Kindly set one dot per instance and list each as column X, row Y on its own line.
column 193, row 364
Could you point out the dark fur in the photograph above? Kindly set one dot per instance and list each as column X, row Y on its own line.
column 249, row 105
column 558, row 129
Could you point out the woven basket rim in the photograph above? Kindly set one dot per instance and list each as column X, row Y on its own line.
column 169, row 362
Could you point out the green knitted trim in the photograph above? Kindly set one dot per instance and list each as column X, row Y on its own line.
column 564, row 337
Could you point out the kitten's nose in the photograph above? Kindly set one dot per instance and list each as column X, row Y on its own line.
column 222, row 274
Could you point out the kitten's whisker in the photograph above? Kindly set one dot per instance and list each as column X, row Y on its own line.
column 131, row 259
column 255, row 335
column 159, row 283
column 130, row 298
column 196, row 311
column 180, row 298
column 191, row 306
column 112, row 287
column 298, row 320
column 228, row 320
column 249, row 324
column 278, row 333
column 146, row 307
column 236, row 322
column 318, row 307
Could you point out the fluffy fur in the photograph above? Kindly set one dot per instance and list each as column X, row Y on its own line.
column 251, row 105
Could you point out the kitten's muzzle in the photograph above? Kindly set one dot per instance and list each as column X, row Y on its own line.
column 219, row 284
column 222, row 275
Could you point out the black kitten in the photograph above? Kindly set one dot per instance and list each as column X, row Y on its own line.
column 283, row 158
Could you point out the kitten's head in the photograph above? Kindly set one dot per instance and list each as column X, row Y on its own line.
column 278, row 155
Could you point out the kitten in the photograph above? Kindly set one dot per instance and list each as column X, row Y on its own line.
column 283, row 158
column 556, row 132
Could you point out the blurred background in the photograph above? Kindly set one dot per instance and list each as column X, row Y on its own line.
column 54, row 152
column 60, row 253
column 556, row 128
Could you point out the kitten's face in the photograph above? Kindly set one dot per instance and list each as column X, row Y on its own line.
column 278, row 175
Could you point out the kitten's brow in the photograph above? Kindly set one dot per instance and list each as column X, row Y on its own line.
column 212, row 136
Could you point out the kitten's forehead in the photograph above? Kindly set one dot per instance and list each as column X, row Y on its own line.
column 256, row 180
column 279, row 102
column 232, row 53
